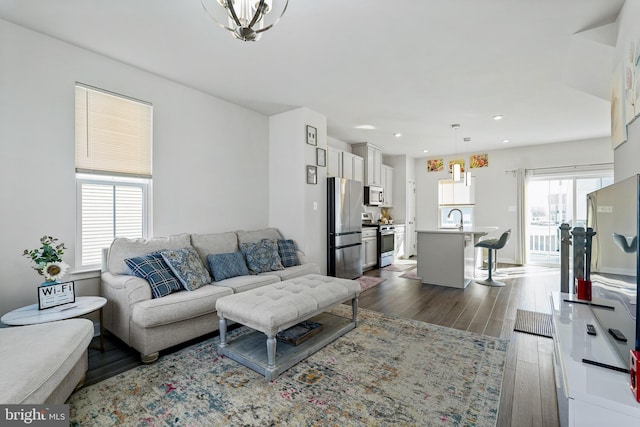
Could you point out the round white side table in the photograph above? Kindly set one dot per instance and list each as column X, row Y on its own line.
column 30, row 314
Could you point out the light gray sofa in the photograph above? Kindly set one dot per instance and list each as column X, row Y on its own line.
column 153, row 324
column 43, row 363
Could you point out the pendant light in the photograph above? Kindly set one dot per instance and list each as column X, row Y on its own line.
column 456, row 169
column 467, row 174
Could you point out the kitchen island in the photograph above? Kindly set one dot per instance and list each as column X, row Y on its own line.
column 446, row 256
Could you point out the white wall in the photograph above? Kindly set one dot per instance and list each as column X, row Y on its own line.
column 210, row 172
column 495, row 190
column 298, row 209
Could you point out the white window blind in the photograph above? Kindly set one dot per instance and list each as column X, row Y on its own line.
column 113, row 171
column 113, row 134
column 109, row 210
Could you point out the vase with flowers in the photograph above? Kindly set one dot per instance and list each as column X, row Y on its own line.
column 48, row 259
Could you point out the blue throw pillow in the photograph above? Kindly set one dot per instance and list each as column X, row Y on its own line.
column 262, row 257
column 287, row 252
column 188, row 267
column 224, row 266
column 154, row 270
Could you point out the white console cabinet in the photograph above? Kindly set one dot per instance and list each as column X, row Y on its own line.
column 588, row 395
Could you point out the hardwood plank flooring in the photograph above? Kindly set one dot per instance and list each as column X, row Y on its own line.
column 528, row 391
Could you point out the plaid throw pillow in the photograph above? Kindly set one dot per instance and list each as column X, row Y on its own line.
column 287, row 252
column 154, row 270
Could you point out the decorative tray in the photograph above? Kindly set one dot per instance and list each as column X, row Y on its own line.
column 299, row 333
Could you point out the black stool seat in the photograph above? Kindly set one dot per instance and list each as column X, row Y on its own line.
column 493, row 245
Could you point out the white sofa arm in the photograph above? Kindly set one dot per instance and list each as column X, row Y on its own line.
column 301, row 257
column 122, row 293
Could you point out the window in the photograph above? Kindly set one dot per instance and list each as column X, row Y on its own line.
column 113, row 171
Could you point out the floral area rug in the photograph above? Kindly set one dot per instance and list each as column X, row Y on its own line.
column 368, row 282
column 399, row 267
column 388, row 371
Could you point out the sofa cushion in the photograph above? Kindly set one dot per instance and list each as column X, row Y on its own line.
column 257, row 235
column 296, row 271
column 287, row 252
column 123, row 248
column 178, row 306
column 244, row 283
column 262, row 256
column 206, row 244
column 187, row 267
column 154, row 269
column 224, row 266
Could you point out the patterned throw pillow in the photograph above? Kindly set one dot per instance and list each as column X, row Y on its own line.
column 262, row 257
column 287, row 252
column 188, row 267
column 224, row 266
column 154, row 270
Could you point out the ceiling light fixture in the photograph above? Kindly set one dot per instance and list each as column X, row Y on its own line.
column 455, row 169
column 246, row 19
column 425, row 151
column 498, row 117
column 397, row 134
column 366, row 127
column 506, row 141
column 467, row 174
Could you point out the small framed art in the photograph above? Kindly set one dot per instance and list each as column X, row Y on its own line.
column 321, row 157
column 311, row 135
column 312, row 174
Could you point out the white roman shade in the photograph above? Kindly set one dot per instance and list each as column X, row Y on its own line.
column 113, row 134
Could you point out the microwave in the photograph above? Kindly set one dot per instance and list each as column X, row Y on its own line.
column 373, row 196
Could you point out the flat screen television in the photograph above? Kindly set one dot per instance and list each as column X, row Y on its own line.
column 612, row 212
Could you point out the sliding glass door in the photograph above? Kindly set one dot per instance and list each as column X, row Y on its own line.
column 551, row 201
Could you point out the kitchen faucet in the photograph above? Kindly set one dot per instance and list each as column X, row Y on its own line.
column 461, row 217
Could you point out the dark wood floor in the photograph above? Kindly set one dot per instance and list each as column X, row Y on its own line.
column 528, row 390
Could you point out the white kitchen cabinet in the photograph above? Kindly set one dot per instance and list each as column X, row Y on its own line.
column 369, row 247
column 352, row 166
column 451, row 192
column 334, row 162
column 372, row 162
column 387, row 185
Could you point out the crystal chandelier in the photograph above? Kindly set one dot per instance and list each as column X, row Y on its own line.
column 246, row 19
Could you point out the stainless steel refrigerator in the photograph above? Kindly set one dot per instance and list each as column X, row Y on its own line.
column 345, row 200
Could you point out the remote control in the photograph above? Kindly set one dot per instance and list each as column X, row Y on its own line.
column 617, row 335
column 591, row 330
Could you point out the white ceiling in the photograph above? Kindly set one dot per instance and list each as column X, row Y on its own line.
column 409, row 66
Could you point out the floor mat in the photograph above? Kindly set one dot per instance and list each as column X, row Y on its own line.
column 368, row 282
column 531, row 322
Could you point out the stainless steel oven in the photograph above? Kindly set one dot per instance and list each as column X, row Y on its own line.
column 386, row 244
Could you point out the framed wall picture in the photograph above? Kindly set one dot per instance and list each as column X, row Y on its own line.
column 311, row 135
column 321, row 157
column 54, row 295
column 312, row 174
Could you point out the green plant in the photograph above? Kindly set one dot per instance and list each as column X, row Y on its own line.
column 48, row 258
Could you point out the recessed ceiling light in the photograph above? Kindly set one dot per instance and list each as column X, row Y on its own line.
column 397, row 134
column 425, row 151
column 498, row 117
column 367, row 127
column 505, row 141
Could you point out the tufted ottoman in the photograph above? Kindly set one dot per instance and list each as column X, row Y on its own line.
column 274, row 308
